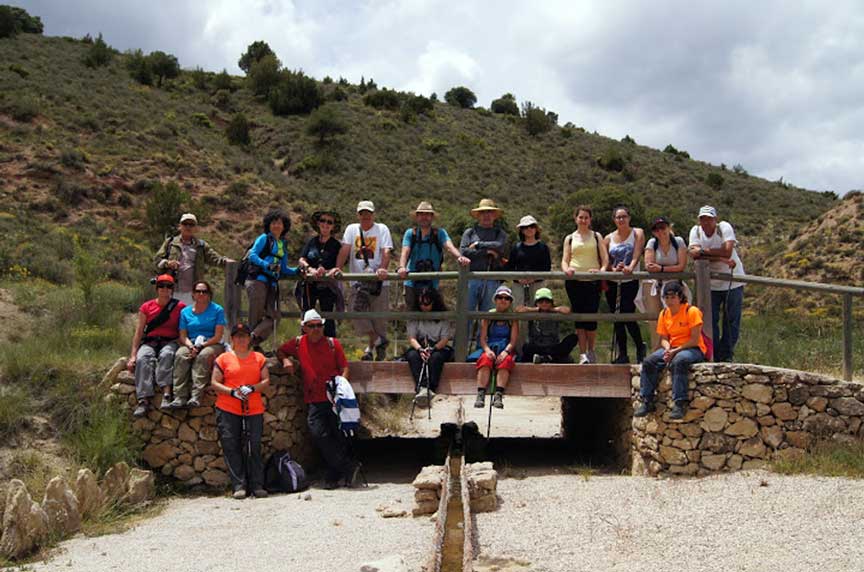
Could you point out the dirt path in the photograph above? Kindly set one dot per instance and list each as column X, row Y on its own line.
column 521, row 416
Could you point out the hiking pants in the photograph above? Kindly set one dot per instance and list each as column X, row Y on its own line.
column 436, row 365
column 731, row 304
column 326, row 299
column 559, row 353
column 629, row 291
column 654, row 365
column 481, row 294
column 245, row 467
column 197, row 371
column 154, row 363
column 331, row 442
column 379, row 303
column 263, row 308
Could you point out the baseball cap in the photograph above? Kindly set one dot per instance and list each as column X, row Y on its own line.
column 543, row 294
column 527, row 220
column 658, row 221
column 504, row 291
column 366, row 206
column 240, row 328
column 708, row 210
column 188, row 217
column 164, row 278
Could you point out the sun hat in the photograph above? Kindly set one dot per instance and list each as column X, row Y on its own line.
column 240, row 328
column 658, row 221
column 504, row 291
column 708, row 210
column 543, row 294
column 366, row 206
column 424, row 207
column 527, row 220
column 188, row 216
column 318, row 214
column 311, row 316
column 486, row 205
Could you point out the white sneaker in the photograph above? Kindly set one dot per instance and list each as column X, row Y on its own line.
column 583, row 359
column 422, row 399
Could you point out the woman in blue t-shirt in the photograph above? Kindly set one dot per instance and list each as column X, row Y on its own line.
column 269, row 257
column 201, row 329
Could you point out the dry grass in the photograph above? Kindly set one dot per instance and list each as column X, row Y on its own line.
column 828, row 459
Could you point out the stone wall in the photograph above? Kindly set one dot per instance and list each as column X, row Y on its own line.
column 742, row 416
column 184, row 443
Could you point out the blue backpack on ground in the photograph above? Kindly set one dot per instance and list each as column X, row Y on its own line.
column 282, row 474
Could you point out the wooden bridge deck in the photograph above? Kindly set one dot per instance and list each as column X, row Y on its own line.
column 542, row 380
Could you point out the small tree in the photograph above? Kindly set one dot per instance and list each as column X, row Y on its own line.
column 254, row 53
column 715, row 181
column 461, row 97
column 325, row 123
column 296, row 93
column 98, row 54
column 415, row 105
column 264, row 75
column 139, row 67
column 383, row 99
column 163, row 210
column 238, row 130
column 506, row 104
column 7, row 22
column 164, row 66
column 14, row 20
column 223, row 81
column 537, row 121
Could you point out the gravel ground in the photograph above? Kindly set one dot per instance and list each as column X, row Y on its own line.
column 334, row 531
column 726, row 523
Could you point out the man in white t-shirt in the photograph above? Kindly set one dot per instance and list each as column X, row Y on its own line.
column 715, row 241
column 366, row 246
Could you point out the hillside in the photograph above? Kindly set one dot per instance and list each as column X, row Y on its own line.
column 80, row 148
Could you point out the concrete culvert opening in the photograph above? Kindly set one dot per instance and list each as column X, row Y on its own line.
column 597, row 432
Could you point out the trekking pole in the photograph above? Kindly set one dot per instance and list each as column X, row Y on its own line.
column 493, row 378
column 428, row 390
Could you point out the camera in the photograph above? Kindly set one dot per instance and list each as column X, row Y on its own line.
column 425, row 265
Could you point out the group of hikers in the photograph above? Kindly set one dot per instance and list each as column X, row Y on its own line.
column 178, row 348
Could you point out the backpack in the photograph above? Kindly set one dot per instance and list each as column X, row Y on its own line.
column 433, row 238
column 247, row 270
column 282, row 474
column 671, row 240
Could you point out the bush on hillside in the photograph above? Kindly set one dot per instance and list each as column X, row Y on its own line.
column 295, row 94
column 628, row 140
column 714, row 180
column 14, row 20
column 237, row 130
column 678, row 154
column 461, row 97
column 223, row 81
column 506, row 105
column 264, row 75
column 164, row 66
column 98, row 54
column 338, row 94
column 537, row 121
column 739, row 169
column 199, row 78
column 415, row 105
column 602, row 201
column 7, row 22
column 139, row 67
column 164, row 207
column 383, row 99
column 612, row 159
column 325, row 123
column 254, row 53
column 21, row 108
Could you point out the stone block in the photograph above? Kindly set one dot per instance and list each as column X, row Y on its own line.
column 672, row 455
column 772, row 435
column 486, row 503
column 217, row 463
column 186, row 433
column 742, row 428
column 848, row 406
column 430, row 477
column 158, row 455
column 115, row 483
column 758, row 392
column 745, row 408
column 817, row 404
column 752, row 447
column 184, row 472
column 714, row 419
column 425, row 495
column 754, row 464
column 215, row 478
column 690, row 430
column 735, row 462
column 88, row 493
column 712, row 461
column 688, row 469
column 799, row 394
column 799, row 439
column 718, row 391
column 25, row 524
column 141, row 488
column 766, row 420
column 824, row 424
column 428, row 507
column 788, row 454
column 61, row 508
column 702, row 403
column 784, row 411
column 717, row 443
column 208, row 433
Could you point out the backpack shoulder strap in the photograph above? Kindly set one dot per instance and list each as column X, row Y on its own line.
column 435, row 240
column 162, row 316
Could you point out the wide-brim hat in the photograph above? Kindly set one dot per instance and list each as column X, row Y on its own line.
column 318, row 214
column 486, row 205
column 424, row 207
column 311, row 316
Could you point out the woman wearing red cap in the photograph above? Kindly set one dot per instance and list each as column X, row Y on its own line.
column 154, row 344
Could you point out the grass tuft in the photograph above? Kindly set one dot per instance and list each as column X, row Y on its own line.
column 826, row 458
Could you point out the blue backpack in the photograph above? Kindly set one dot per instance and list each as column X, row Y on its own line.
column 282, row 474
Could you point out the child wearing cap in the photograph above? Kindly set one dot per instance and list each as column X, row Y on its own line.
column 543, row 345
column 497, row 348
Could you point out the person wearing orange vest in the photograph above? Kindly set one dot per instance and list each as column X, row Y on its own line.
column 239, row 377
column 681, row 345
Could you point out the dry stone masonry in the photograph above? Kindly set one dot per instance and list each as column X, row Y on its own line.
column 184, row 443
column 741, row 417
column 482, row 488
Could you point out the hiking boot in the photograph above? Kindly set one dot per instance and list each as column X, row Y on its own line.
column 178, row 403
column 141, row 410
column 584, row 359
column 367, row 355
column 480, row 402
column 644, row 409
column 193, row 403
column 260, row 494
column 498, row 400
column 330, row 485
column 621, row 359
column 423, row 398
column 166, row 402
column 640, row 353
column 381, row 350
column 239, row 494
column 678, row 410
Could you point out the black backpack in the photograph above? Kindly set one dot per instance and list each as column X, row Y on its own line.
column 282, row 474
column 247, row 270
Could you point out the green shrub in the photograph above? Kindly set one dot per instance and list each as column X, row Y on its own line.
column 612, row 159
column 461, row 97
column 628, row 140
column 506, row 105
column 222, row 99
column 537, row 121
column 383, row 99
column 338, row 94
column 14, row 20
column 139, row 67
column 22, row 108
column 223, row 81
column 98, row 54
column 199, row 78
column 325, row 123
column 73, row 159
column 15, row 406
column 435, row 145
column 69, row 192
column 17, row 69
column 738, row 169
column 164, row 66
column 714, row 180
column 264, row 75
column 104, row 438
column 7, row 22
column 603, row 200
column 163, row 210
column 237, row 130
column 201, row 120
column 415, row 105
column 295, row 94
column 254, row 54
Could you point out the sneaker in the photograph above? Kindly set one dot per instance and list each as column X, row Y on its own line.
column 381, row 350
column 331, row 485
column 644, row 409
column 178, row 403
column 423, row 398
column 621, row 359
column 584, row 359
column 239, row 494
column 193, row 403
column 592, row 357
column 498, row 400
column 166, row 402
column 480, row 402
column 141, row 410
column 260, row 494
column 678, row 410
column 367, row 355
column 542, row 358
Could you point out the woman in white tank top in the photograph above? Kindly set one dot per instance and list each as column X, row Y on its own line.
column 625, row 246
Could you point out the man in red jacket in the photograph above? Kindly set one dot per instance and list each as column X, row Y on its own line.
column 321, row 359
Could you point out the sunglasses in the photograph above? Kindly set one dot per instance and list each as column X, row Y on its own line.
column 188, row 223
column 314, row 326
column 201, row 291
column 502, row 297
column 327, row 221
column 165, row 285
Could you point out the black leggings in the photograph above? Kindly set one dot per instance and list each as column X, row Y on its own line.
column 560, row 352
column 436, row 364
column 584, row 299
column 629, row 290
column 245, row 467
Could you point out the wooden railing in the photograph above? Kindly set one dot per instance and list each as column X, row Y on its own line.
column 462, row 316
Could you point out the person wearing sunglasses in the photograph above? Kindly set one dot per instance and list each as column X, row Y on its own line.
column 154, row 344
column 185, row 256
column 201, row 328
column 664, row 253
column 530, row 254
column 318, row 259
column 497, row 349
column 681, row 345
column 430, row 344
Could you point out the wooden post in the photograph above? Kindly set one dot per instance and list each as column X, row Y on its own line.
column 232, row 295
column 461, row 325
column 847, row 337
column 703, row 295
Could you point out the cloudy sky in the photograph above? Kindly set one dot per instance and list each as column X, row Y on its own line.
column 775, row 86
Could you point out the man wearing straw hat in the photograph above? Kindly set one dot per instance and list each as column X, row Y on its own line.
column 423, row 251
column 483, row 244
